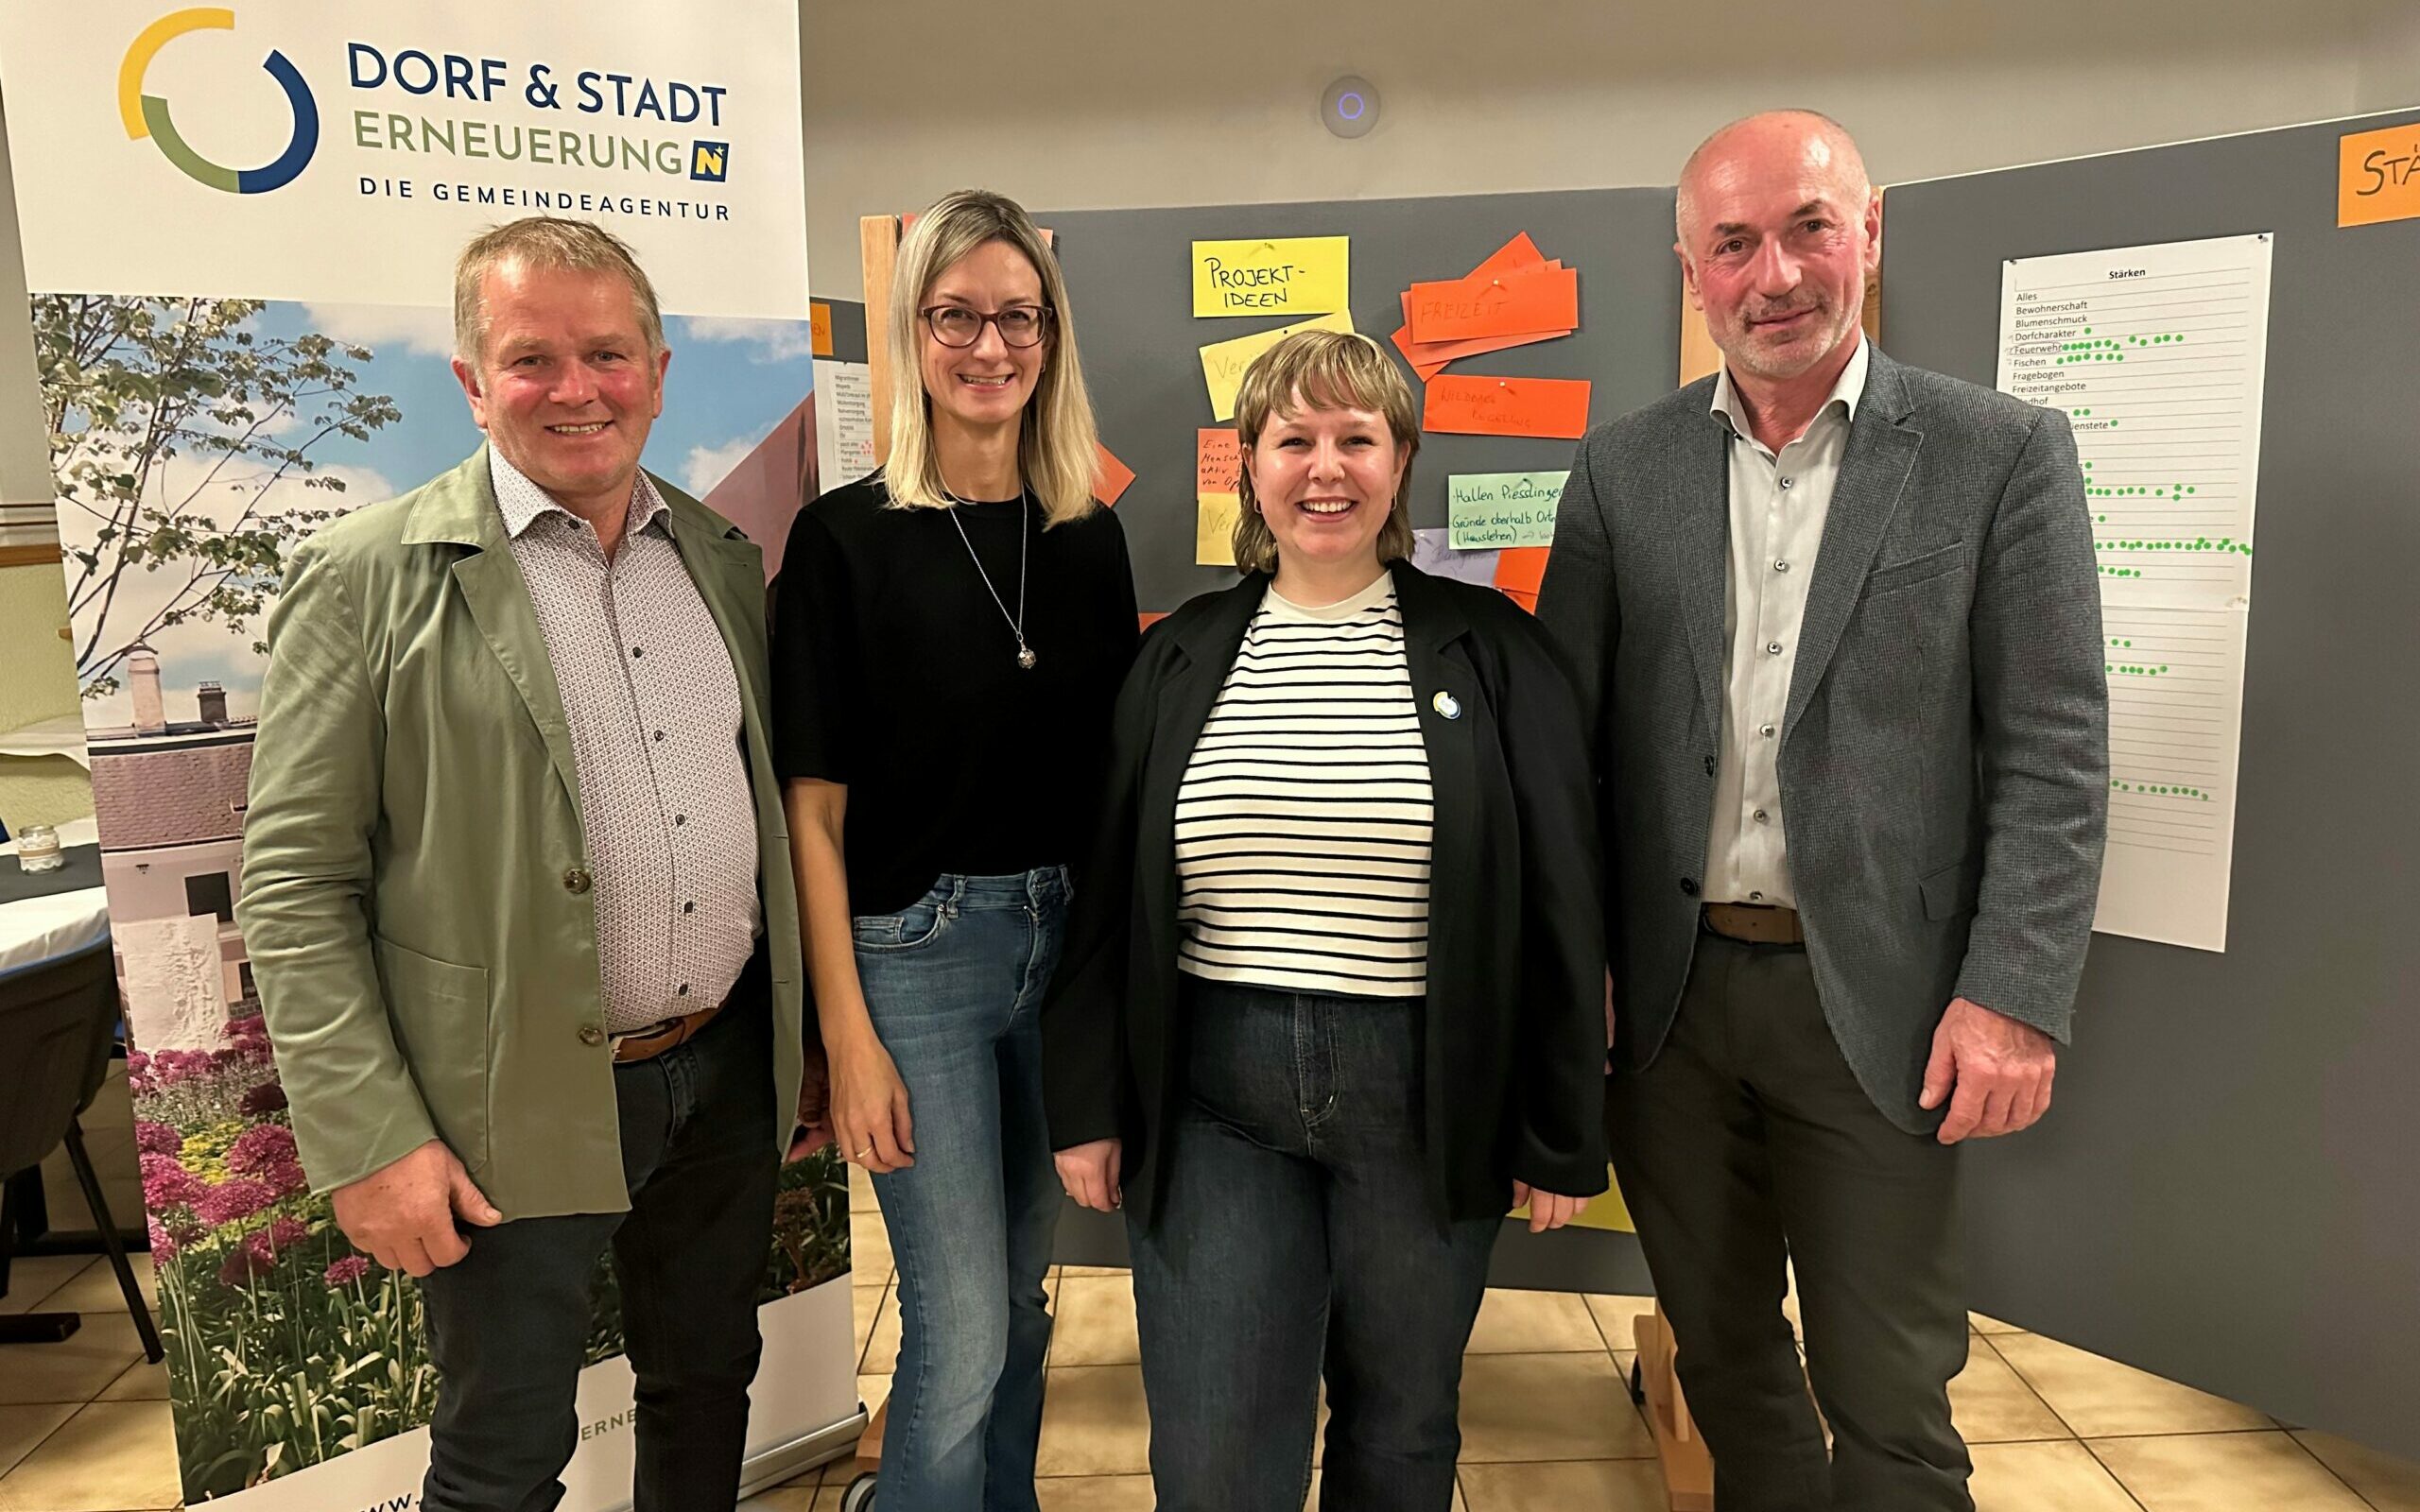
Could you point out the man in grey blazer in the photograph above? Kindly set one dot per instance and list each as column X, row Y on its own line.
column 1836, row 626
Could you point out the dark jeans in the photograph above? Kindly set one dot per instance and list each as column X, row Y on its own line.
column 509, row 1324
column 1747, row 1144
column 1296, row 1238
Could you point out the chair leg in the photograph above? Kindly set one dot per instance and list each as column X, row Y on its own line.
column 26, row 1327
column 110, row 1241
column 7, row 1232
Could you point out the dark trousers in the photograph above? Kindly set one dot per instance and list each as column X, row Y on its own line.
column 1295, row 1238
column 1749, row 1143
column 508, row 1325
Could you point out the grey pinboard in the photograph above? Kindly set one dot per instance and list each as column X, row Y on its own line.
column 1129, row 280
column 1129, row 277
column 2227, row 1190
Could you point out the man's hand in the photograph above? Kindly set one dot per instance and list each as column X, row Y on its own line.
column 1547, row 1209
column 2000, row 1071
column 1089, row 1172
column 402, row 1214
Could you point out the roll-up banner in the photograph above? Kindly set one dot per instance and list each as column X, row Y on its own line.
column 239, row 228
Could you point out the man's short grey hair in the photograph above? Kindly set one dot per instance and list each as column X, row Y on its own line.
column 554, row 244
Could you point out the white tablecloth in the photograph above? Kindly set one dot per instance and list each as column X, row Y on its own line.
column 41, row 929
column 62, row 737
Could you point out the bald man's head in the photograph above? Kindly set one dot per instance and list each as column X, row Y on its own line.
column 1778, row 231
column 1822, row 144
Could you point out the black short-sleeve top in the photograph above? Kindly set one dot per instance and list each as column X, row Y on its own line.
column 895, row 674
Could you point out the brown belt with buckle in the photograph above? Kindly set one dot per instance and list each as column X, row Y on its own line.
column 1756, row 923
column 646, row 1044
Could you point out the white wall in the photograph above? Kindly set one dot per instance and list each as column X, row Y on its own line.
column 1087, row 104
column 2389, row 76
column 25, row 448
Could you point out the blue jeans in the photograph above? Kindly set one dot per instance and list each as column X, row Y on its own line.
column 954, row 983
column 1296, row 1238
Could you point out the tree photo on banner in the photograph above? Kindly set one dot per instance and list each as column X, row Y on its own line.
column 195, row 442
column 223, row 392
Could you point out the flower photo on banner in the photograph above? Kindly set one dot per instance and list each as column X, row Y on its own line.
column 195, row 443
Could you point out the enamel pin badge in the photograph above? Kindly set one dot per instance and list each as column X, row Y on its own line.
column 1447, row 704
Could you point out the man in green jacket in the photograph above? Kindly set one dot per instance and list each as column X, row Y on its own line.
column 518, row 897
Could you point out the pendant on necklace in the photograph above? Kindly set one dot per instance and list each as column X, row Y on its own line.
column 1025, row 658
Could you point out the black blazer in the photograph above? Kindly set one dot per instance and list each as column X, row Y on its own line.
column 1515, row 1042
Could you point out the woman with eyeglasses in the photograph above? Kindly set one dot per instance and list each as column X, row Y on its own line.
column 949, row 636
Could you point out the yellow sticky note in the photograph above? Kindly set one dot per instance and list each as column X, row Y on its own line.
column 1295, row 275
column 1214, row 529
column 1223, row 362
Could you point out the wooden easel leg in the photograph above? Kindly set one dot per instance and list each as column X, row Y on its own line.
column 870, row 1442
column 1688, row 1468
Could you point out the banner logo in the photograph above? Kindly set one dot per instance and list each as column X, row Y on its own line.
column 147, row 114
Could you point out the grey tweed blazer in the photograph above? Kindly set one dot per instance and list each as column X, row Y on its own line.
column 1945, row 753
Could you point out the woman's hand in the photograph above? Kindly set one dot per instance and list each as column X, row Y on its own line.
column 1547, row 1209
column 869, row 1111
column 1089, row 1172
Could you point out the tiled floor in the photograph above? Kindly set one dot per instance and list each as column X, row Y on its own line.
column 1546, row 1422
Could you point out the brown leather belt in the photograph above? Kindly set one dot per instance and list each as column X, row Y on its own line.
column 646, row 1044
column 1756, row 923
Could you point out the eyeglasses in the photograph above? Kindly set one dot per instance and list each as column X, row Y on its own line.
column 954, row 325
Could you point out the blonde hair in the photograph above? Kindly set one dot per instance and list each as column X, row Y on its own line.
column 1058, row 446
column 546, row 242
column 1322, row 369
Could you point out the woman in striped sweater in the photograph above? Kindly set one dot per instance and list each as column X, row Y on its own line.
column 1347, row 1007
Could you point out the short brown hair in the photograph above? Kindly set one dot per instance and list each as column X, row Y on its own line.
column 547, row 242
column 1322, row 369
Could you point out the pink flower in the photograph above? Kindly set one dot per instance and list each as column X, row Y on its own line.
column 268, row 1097
column 232, row 1202
column 282, row 1234
column 260, row 1147
column 137, row 1063
column 286, row 1179
column 346, row 1271
column 250, row 1027
column 243, row 1266
column 166, row 1184
column 171, row 1068
column 157, row 1139
column 164, row 1243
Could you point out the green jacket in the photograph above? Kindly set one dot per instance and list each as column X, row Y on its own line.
column 415, row 894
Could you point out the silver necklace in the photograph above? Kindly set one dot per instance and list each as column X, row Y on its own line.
column 1025, row 658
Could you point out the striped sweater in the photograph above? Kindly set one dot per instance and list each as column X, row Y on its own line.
column 1302, row 823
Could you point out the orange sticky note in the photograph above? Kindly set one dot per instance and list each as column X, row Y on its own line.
column 1507, row 406
column 1217, row 459
column 1429, row 358
column 2378, row 176
column 1519, row 570
column 1113, row 476
column 1518, row 303
column 1517, row 253
column 818, row 316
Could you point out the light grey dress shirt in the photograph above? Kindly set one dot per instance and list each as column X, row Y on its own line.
column 653, row 704
column 1778, row 505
